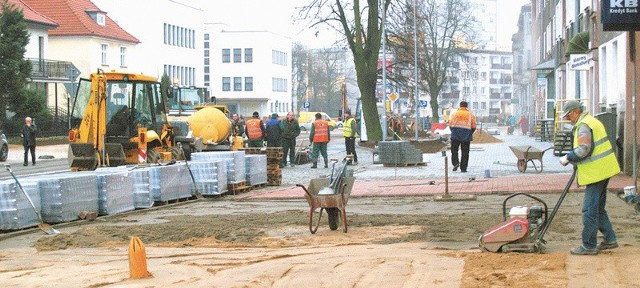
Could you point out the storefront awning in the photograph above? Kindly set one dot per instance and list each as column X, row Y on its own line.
column 579, row 44
column 547, row 65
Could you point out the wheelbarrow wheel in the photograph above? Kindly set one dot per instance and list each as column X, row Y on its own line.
column 334, row 218
column 522, row 165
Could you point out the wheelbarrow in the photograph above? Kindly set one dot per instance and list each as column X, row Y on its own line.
column 526, row 154
column 330, row 194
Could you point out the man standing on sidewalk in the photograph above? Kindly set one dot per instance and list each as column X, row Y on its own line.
column 29, row 140
column 596, row 163
column 349, row 133
column 274, row 132
column 290, row 131
column 319, row 136
column 462, row 124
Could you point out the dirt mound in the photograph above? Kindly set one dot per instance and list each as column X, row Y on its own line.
column 481, row 137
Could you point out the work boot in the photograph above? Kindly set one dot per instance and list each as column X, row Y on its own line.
column 326, row 164
column 315, row 164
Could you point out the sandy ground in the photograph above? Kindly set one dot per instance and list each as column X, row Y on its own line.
column 391, row 242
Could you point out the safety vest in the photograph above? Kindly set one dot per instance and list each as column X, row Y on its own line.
column 602, row 163
column 348, row 132
column 462, row 119
column 254, row 130
column 320, row 131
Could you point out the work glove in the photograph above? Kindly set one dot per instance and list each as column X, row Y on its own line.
column 564, row 160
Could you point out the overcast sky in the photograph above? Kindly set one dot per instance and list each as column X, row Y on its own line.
column 276, row 16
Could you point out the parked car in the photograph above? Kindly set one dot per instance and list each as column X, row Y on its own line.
column 4, row 150
column 307, row 125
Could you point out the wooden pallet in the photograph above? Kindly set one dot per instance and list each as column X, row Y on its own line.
column 258, row 186
column 274, row 173
column 404, row 164
column 172, row 201
column 238, row 187
column 274, row 182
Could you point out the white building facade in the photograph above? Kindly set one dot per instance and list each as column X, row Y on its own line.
column 170, row 38
column 248, row 71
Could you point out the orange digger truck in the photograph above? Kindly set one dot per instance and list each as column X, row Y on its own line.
column 117, row 119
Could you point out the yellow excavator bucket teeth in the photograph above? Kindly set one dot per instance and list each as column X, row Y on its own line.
column 82, row 156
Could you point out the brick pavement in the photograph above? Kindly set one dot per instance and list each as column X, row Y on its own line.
column 374, row 180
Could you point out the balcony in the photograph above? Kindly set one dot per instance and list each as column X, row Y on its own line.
column 501, row 66
column 494, row 96
column 43, row 70
column 451, row 95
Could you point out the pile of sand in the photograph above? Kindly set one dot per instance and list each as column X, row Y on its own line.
column 481, row 136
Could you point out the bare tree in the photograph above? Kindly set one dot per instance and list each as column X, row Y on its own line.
column 299, row 75
column 445, row 30
column 362, row 27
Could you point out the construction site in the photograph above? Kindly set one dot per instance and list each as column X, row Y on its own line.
column 411, row 224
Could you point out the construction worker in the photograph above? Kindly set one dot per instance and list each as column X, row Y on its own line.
column 395, row 126
column 290, row 131
column 462, row 124
column 237, row 128
column 596, row 163
column 319, row 136
column 350, row 134
column 255, row 131
column 274, row 132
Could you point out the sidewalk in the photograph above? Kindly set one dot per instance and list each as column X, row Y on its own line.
column 374, row 180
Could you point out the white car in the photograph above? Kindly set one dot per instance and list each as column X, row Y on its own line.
column 307, row 126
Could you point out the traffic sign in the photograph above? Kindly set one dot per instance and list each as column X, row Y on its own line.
column 393, row 97
column 306, row 105
column 424, row 103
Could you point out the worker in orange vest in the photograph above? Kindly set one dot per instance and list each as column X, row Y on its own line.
column 462, row 125
column 319, row 136
column 255, row 131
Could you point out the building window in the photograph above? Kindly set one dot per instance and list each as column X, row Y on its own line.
column 475, row 105
column 103, row 52
column 123, row 56
column 278, row 85
column 206, row 53
column 226, row 84
column 278, row 58
column 165, row 33
column 248, row 83
column 248, row 55
column 237, row 83
column 237, row 55
column 226, row 55
column 483, row 105
column 100, row 19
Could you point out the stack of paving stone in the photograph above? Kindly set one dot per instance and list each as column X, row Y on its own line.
column 141, row 192
column 274, row 156
column 15, row 210
column 256, row 169
column 399, row 153
column 115, row 190
column 64, row 196
column 171, row 182
column 236, row 171
column 205, row 174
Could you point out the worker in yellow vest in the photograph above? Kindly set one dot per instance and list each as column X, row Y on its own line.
column 350, row 135
column 319, row 136
column 255, row 131
column 596, row 163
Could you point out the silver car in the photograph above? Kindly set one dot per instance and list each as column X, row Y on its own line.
column 4, row 150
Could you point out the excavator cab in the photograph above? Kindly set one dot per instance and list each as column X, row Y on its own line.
column 114, row 117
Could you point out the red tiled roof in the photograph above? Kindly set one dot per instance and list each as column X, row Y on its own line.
column 75, row 21
column 31, row 15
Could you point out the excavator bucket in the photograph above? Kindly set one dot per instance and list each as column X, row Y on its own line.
column 115, row 154
column 82, row 156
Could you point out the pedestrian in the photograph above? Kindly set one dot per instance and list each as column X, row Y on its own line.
column 274, row 132
column 350, row 134
column 462, row 126
column 28, row 135
column 255, row 131
column 524, row 124
column 596, row 163
column 319, row 136
column 237, row 132
column 290, row 131
column 512, row 124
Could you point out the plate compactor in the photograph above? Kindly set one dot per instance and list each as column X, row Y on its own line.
column 524, row 229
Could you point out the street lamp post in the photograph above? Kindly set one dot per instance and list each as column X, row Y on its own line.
column 415, row 67
column 384, row 72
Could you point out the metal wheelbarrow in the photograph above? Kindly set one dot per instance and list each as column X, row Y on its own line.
column 330, row 194
column 527, row 154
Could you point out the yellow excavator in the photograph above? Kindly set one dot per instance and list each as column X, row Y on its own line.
column 117, row 119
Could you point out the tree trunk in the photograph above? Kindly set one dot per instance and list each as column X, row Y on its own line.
column 435, row 118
